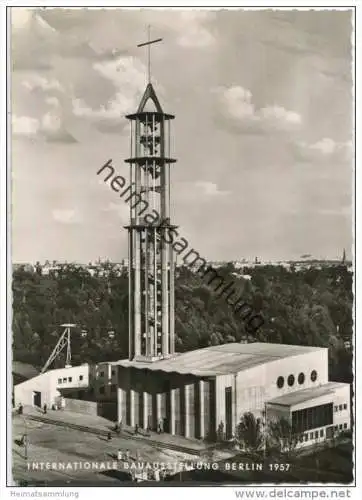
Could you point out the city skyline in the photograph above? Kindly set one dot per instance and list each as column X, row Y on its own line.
column 265, row 161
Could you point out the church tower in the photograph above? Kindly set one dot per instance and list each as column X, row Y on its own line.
column 151, row 263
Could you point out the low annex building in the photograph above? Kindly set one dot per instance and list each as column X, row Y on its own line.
column 195, row 393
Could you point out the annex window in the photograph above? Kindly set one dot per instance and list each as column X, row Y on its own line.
column 64, row 379
column 101, row 390
column 345, row 406
column 312, row 418
column 313, row 376
column 316, row 435
column 280, row 382
column 59, row 380
column 340, row 427
column 69, row 379
column 301, row 378
column 80, row 377
column 291, row 380
column 311, row 435
column 336, row 427
column 321, row 433
column 340, row 407
column 344, row 426
column 336, row 408
column 101, row 374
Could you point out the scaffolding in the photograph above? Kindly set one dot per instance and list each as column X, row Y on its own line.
column 63, row 343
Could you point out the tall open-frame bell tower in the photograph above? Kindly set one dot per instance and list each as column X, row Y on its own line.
column 151, row 263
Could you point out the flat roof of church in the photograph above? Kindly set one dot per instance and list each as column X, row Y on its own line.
column 304, row 395
column 222, row 359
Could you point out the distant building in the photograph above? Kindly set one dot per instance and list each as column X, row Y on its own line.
column 26, row 266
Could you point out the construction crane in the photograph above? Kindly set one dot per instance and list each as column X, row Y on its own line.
column 63, row 342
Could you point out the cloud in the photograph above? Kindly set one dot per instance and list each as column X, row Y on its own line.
column 209, row 189
column 123, row 71
column 324, row 150
column 235, row 106
column 51, row 122
column 279, row 114
column 52, row 101
column 328, row 146
column 345, row 211
column 24, row 126
column 126, row 74
column 188, row 28
column 49, row 127
column 66, row 216
column 60, row 136
column 192, row 32
column 20, row 17
column 116, row 107
column 121, row 210
column 30, row 64
column 200, row 191
column 297, row 48
column 53, row 129
column 39, row 82
column 35, row 42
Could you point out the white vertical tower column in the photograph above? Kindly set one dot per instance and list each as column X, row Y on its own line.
column 187, row 410
column 202, row 408
column 132, row 407
column 158, row 407
column 120, row 403
column 172, row 412
column 145, row 410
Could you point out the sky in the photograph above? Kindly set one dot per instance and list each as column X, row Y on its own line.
column 263, row 131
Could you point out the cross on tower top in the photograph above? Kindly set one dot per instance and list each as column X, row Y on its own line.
column 148, row 44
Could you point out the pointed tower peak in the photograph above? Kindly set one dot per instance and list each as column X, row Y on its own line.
column 149, row 101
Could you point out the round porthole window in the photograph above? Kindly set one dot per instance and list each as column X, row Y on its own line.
column 313, row 376
column 291, row 380
column 280, row 382
column 301, row 378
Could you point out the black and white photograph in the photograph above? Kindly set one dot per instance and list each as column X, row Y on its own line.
column 181, row 258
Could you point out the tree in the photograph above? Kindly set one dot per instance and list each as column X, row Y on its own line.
column 249, row 432
column 281, row 436
column 307, row 307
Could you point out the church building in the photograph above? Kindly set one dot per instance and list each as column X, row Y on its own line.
column 196, row 393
